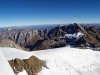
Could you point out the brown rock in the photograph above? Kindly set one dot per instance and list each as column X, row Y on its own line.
column 32, row 65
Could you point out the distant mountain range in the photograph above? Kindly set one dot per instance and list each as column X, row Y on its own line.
column 54, row 36
column 96, row 25
column 30, row 27
column 46, row 26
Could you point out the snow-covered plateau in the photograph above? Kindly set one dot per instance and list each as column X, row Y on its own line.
column 60, row 61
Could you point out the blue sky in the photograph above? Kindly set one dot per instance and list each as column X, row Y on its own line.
column 29, row 12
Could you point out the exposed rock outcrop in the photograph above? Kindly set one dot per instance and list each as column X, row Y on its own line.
column 32, row 65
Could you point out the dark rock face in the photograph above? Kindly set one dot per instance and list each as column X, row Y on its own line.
column 74, row 35
column 90, row 35
column 62, row 30
column 32, row 65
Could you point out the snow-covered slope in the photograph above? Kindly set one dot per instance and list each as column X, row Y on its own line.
column 75, row 35
column 62, row 61
column 5, row 68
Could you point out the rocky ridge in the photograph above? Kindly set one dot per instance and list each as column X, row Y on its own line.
column 74, row 35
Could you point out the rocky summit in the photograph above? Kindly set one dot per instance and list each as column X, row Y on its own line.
column 74, row 35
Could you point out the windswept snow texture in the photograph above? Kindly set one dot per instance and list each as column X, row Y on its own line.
column 5, row 68
column 62, row 61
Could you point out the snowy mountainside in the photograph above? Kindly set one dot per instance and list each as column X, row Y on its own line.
column 5, row 68
column 61, row 61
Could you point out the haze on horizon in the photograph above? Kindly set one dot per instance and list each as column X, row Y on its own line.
column 30, row 12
